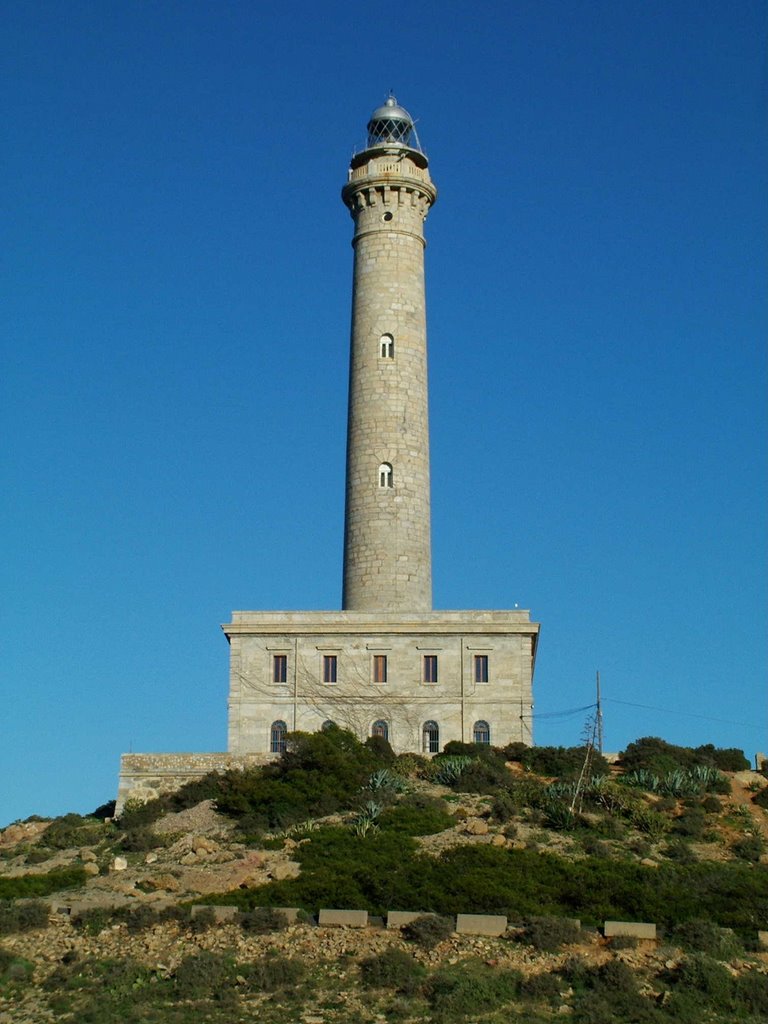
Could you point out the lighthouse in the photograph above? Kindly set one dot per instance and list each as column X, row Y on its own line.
column 387, row 544
column 387, row 664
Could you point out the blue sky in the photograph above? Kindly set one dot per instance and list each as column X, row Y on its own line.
column 175, row 318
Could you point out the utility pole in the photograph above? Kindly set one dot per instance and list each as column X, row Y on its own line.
column 599, row 718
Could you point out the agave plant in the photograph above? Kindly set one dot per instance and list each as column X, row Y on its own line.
column 450, row 768
column 642, row 778
column 383, row 778
column 363, row 827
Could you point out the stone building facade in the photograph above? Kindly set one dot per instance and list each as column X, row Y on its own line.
column 387, row 663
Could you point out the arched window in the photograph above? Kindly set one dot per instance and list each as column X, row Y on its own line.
column 430, row 738
column 386, row 347
column 380, row 728
column 385, row 475
column 277, row 736
column 328, row 724
column 481, row 732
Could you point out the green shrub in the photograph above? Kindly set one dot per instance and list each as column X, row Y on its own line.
column 690, row 824
column 14, row 969
column 319, row 774
column 37, row 856
column 725, row 759
column 466, row 989
column 482, row 776
column 203, row 975
column 429, row 930
column 139, row 840
column 700, row 936
column 92, row 921
column 706, row 977
column 139, row 919
column 417, row 815
column 394, row 968
column 41, row 885
column 504, row 805
column 680, row 851
column 750, row 848
column 563, row 762
column 140, row 813
column 544, row 987
column 68, row 831
column 549, row 933
column 23, row 916
column 711, row 805
column 262, row 920
column 273, row 972
column 202, row 921
column 752, row 993
column 761, row 798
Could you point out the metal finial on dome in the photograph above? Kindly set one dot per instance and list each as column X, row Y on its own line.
column 391, row 123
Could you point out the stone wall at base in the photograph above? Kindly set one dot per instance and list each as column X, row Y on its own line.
column 146, row 776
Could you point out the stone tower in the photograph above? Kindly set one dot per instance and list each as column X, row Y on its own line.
column 387, row 547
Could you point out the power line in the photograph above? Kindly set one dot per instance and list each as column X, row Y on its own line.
column 684, row 714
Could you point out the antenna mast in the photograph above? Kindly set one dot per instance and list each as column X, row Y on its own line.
column 599, row 718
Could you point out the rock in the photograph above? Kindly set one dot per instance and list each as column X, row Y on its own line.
column 189, row 858
column 118, row 864
column 151, row 858
column 167, row 883
column 91, row 869
column 498, row 841
column 476, row 827
column 290, row 869
column 647, row 862
column 88, row 856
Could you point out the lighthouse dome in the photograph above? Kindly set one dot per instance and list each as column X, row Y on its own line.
column 390, row 123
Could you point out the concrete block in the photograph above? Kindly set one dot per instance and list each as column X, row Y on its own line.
column 400, row 918
column 343, row 918
column 634, row 929
column 481, row 924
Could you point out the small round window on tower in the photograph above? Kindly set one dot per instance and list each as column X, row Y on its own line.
column 387, row 216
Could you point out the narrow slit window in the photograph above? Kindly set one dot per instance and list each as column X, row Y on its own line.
column 277, row 741
column 380, row 728
column 481, row 668
column 481, row 733
column 385, row 475
column 330, row 665
column 431, row 738
column 379, row 668
column 280, row 668
column 430, row 668
column 386, row 347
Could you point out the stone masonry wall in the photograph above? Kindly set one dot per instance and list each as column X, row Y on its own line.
column 146, row 776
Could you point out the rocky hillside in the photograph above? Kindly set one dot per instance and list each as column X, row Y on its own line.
column 97, row 921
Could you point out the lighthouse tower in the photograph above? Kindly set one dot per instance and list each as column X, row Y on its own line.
column 387, row 548
column 386, row 664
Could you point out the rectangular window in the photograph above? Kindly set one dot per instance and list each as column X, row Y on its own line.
column 430, row 668
column 330, row 661
column 280, row 668
column 481, row 668
column 379, row 668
